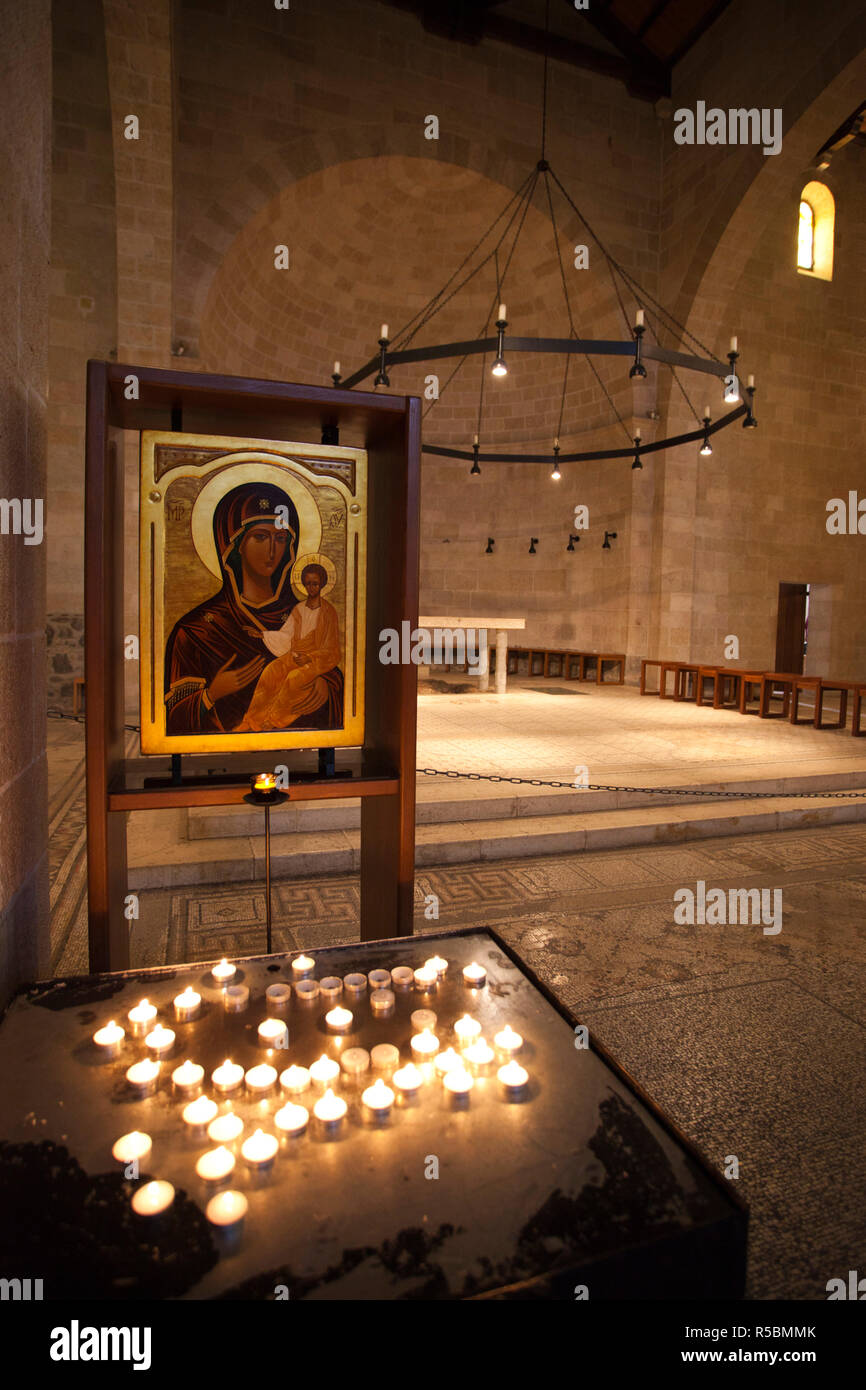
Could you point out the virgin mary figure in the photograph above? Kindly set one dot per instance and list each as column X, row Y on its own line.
column 216, row 652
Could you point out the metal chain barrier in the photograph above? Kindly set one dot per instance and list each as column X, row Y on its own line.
column 643, row 791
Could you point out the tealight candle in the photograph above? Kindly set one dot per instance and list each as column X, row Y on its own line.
column 329, row 1111
column 199, row 1113
column 143, row 1076
column 160, row 1041
column 378, row 1099
column 236, row 998
column 331, row 988
column 379, row 979
column 474, row 974
column 382, row 1002
column 265, row 782
column 437, row 963
column 408, row 1080
column 141, row 1018
column 480, row 1056
column 132, row 1148
column 273, row 1033
column 152, row 1198
column 444, row 1061
column 225, row 1129
column 292, row 1120
column 227, row 1078
column 402, row 977
column 458, row 1083
column 324, row 1072
column 187, row 1005
column 425, row 977
column 423, row 1018
column 425, row 1045
column 294, row 1080
column 355, row 983
column 355, row 1061
column 216, row 1164
column 339, row 1020
column 261, row 1079
column 513, row 1078
column 260, row 1150
column 109, row 1041
column 307, row 991
column 508, row 1042
column 385, row 1056
column 302, row 966
column 187, row 1078
column 466, row 1030
column 278, row 995
column 226, row 1211
column 224, row 971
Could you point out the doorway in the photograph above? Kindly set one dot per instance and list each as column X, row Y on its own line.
column 792, row 627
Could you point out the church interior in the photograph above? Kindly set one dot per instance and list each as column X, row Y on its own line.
column 544, row 324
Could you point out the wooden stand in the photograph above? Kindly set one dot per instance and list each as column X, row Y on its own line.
column 383, row 775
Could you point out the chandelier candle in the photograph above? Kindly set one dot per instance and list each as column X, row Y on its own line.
column 142, row 1018
column 109, row 1040
column 187, row 1005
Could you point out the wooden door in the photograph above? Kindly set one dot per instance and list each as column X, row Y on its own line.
column 791, row 628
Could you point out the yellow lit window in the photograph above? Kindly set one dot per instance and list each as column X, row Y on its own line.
column 806, row 238
column 815, row 231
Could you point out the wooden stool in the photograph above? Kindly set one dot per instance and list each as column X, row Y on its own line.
column 859, row 693
column 665, row 667
column 573, row 666
column 559, row 658
column 618, row 659
column 684, row 673
column 842, row 687
column 748, row 681
column 644, row 667
column 707, row 673
column 588, row 672
column 798, row 685
column 769, row 681
column 78, row 694
column 726, row 694
column 512, row 659
column 537, row 654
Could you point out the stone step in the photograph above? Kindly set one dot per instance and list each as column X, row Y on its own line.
column 167, row 862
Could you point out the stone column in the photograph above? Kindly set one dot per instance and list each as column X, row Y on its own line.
column 501, row 659
column 484, row 668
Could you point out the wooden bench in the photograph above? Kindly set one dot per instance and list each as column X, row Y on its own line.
column 859, row 694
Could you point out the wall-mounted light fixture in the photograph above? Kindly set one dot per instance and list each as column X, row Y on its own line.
column 608, row 537
column 533, row 542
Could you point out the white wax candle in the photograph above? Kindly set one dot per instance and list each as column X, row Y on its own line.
column 278, row 995
column 330, row 1110
column 260, row 1149
column 292, row 1119
column 425, row 1045
column 437, row 963
column 141, row 1018
column 236, row 998
column 272, row 1032
column 751, row 381
column 475, row 439
column 422, row 1018
column 638, row 319
column 228, row 1077
column 261, row 1079
column 133, row 1147
column 355, row 983
column 109, row 1040
column 187, row 1078
column 444, row 1061
column 382, row 1002
column 402, row 976
column 160, row 1041
column 199, row 1113
column 339, row 1020
column 225, row 1129
column 227, row 1211
column 378, row 1098
column 302, row 966
column 513, row 1076
column 479, row 1055
column 385, row 1056
column 355, row 1061
column 336, row 369
column 294, row 1080
column 223, row 972
column 152, row 1198
column 507, row 1041
column 425, row 977
column 733, row 343
column 307, row 991
column 143, row 1076
column 637, row 433
column 502, row 311
column 458, row 1082
column 383, row 331
column 331, row 988
column 187, row 1005
column 408, row 1079
column 216, row 1164
column 324, row 1072
column 474, row 974
column 706, row 412
column 466, row 1030
column 379, row 979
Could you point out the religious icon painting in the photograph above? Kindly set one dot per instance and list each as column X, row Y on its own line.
column 252, row 593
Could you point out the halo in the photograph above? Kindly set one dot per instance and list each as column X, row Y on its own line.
column 249, row 467
column 301, row 564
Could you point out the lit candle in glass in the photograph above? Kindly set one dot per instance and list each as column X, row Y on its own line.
column 225, row 1129
column 437, row 963
column 402, row 977
column 187, row 1078
column 330, row 988
column 355, row 1061
column 355, row 983
column 385, row 1057
column 378, row 1099
column 330, row 1111
column 109, row 1041
column 424, row 1045
column 278, row 995
column 422, row 1018
column 339, row 1020
column 187, row 1005
column 227, row 1078
column 273, row 1032
column 474, row 974
column 224, row 971
column 295, row 1080
column 426, row 977
column 261, row 1079
column 142, row 1018
column 143, row 1076
column 152, row 1198
column 226, row 1211
column 408, row 1080
column 260, row 1150
column 199, row 1113
column 513, row 1078
column 159, row 1041
column 133, row 1148
column 382, row 1002
column 292, row 1120
column 265, row 782
column 379, row 979
column 507, row 1041
column 307, row 991
column 466, row 1030
column 302, row 966
column 236, row 998
column 480, row 1056
column 216, row 1164
column 324, row 1072
column 444, row 1061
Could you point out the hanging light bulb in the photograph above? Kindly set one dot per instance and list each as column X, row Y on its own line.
column 556, row 475
column 706, row 448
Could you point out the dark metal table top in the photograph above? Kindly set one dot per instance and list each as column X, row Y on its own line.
column 578, row 1181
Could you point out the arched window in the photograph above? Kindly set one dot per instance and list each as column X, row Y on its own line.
column 815, row 231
